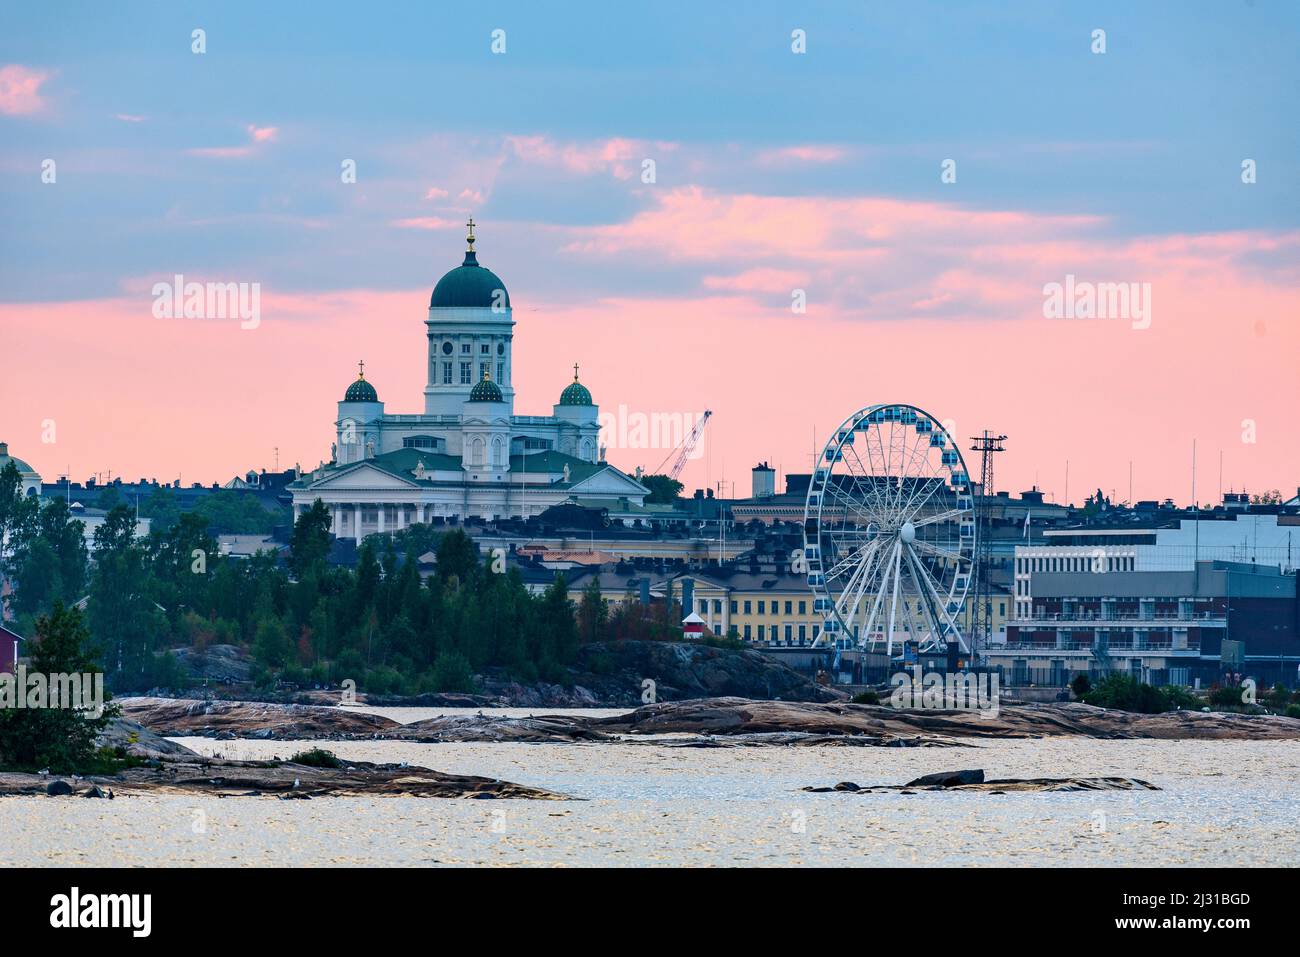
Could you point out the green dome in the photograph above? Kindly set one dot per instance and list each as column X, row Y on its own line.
column 485, row 390
column 361, row 390
column 469, row 285
column 6, row 458
column 575, row 393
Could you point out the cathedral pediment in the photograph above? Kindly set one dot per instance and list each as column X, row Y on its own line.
column 363, row 475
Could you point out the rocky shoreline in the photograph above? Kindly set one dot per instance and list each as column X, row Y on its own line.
column 283, row 779
column 706, row 721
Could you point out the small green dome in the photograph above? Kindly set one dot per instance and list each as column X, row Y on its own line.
column 485, row 390
column 361, row 390
column 575, row 393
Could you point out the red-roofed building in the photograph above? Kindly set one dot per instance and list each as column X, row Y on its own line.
column 9, row 649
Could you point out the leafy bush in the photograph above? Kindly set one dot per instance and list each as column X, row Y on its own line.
column 317, row 758
column 1125, row 693
column 1293, row 711
column 866, row 697
column 1227, row 697
column 1180, row 697
column 1280, row 696
column 1081, row 685
column 726, row 643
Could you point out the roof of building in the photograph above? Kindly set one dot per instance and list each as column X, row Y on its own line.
column 575, row 393
column 361, row 390
column 6, row 458
column 485, row 390
column 404, row 463
column 470, row 285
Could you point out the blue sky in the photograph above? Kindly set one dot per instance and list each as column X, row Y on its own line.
column 1148, row 135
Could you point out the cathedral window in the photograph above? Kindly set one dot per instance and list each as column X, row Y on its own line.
column 465, row 373
column 446, row 373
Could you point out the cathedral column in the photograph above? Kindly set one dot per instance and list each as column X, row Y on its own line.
column 356, row 517
column 380, row 527
column 421, row 514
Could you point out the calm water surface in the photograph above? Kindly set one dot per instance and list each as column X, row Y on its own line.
column 1225, row 802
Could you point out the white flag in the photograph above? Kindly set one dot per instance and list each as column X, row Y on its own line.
column 1026, row 525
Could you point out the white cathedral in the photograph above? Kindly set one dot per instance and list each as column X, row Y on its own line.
column 467, row 454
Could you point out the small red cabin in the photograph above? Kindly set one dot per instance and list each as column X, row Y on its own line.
column 9, row 649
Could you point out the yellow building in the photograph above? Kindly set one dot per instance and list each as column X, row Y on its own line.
column 776, row 610
column 763, row 607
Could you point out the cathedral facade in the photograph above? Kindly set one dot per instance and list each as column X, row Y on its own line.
column 467, row 454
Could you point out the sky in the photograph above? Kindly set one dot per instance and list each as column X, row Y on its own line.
column 918, row 176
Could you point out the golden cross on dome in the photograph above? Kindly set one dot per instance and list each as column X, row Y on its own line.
column 575, row 372
column 361, row 369
column 470, row 238
column 485, row 374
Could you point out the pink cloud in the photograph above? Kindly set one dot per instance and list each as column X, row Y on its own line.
column 257, row 135
column 20, row 90
column 809, row 153
column 618, row 156
column 425, row 222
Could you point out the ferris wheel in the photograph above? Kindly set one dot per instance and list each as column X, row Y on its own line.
column 889, row 532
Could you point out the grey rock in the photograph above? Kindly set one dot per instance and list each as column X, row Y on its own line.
column 946, row 779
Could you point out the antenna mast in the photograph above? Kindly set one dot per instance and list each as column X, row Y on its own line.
column 987, row 444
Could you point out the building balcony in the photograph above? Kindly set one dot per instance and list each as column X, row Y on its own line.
column 1216, row 619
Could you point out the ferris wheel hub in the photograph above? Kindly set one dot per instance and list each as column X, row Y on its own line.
column 907, row 533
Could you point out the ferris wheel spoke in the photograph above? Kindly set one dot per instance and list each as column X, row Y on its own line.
column 861, row 558
column 909, row 467
column 867, row 636
column 849, row 504
column 849, row 611
column 938, row 599
column 945, row 516
column 929, row 548
column 855, row 561
column 893, row 602
column 934, row 483
column 925, row 601
column 873, row 490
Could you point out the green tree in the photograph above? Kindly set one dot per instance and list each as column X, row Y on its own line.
column 124, row 618
column 61, row 738
column 311, row 538
column 458, row 557
column 663, row 490
column 593, row 613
